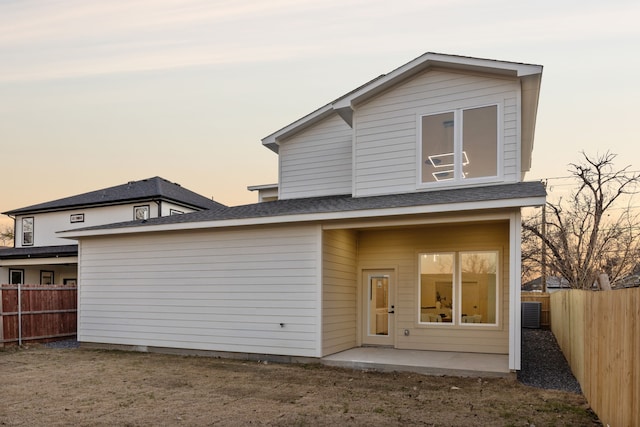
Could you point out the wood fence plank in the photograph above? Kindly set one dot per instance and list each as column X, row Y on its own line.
column 599, row 333
column 47, row 312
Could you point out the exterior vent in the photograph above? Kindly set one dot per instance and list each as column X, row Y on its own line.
column 531, row 314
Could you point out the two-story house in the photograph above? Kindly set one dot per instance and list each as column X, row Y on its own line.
column 40, row 256
column 396, row 224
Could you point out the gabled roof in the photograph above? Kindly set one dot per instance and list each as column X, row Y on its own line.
column 133, row 191
column 339, row 207
column 529, row 74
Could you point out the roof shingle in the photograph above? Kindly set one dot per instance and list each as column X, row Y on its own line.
column 130, row 192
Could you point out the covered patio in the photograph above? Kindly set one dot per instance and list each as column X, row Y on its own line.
column 388, row 359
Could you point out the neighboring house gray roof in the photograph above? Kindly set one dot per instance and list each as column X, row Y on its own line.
column 146, row 189
column 553, row 282
column 346, row 203
column 39, row 252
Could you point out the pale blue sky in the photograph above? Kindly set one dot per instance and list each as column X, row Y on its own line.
column 95, row 94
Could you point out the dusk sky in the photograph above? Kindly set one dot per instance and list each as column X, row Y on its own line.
column 95, row 94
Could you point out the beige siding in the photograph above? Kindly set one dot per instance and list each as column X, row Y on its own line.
column 207, row 290
column 400, row 248
column 317, row 161
column 386, row 131
column 339, row 291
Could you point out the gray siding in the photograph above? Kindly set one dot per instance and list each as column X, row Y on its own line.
column 386, row 146
column 207, row 290
column 339, row 291
column 317, row 161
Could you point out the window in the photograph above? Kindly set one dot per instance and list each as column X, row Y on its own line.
column 27, row 231
column 141, row 212
column 46, row 277
column 76, row 218
column 16, row 277
column 459, row 144
column 459, row 288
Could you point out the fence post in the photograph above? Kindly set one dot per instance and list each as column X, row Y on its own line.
column 19, row 315
column 1, row 318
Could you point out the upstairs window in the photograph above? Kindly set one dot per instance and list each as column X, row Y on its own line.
column 27, row 231
column 459, row 144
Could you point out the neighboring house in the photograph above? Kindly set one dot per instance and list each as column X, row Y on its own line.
column 397, row 224
column 39, row 256
column 554, row 284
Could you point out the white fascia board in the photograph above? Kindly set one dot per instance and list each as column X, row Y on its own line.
column 344, row 105
column 430, row 220
column 272, row 140
column 324, row 216
column 439, row 60
column 262, row 187
column 38, row 261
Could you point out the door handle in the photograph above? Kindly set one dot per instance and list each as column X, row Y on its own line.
column 392, row 310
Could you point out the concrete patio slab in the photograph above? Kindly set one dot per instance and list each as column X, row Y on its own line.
column 424, row 362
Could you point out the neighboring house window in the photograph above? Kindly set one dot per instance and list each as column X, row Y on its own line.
column 76, row 218
column 459, row 144
column 141, row 212
column 27, row 231
column 459, row 288
column 16, row 277
column 46, row 277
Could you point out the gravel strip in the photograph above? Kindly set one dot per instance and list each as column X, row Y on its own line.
column 543, row 364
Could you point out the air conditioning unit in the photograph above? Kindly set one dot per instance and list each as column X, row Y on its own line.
column 531, row 314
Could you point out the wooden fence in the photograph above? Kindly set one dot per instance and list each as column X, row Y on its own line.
column 37, row 312
column 545, row 310
column 599, row 333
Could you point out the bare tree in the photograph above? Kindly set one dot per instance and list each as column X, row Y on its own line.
column 6, row 235
column 583, row 236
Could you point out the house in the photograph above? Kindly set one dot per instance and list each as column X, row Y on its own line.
column 553, row 284
column 396, row 224
column 39, row 256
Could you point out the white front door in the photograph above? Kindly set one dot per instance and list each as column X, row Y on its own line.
column 378, row 307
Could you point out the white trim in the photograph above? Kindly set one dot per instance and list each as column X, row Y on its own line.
column 519, row 170
column 38, row 261
column 354, row 175
column 456, row 291
column 458, row 147
column 430, row 59
column 515, row 321
column 272, row 141
column 365, row 320
column 407, row 70
column 79, row 307
column 420, row 221
column 262, row 187
column 320, row 290
column 454, row 296
column 328, row 216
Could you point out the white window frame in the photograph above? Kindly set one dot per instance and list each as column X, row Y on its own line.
column 458, row 152
column 26, row 242
column 457, row 290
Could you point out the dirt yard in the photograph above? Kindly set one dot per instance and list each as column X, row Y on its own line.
column 41, row 386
